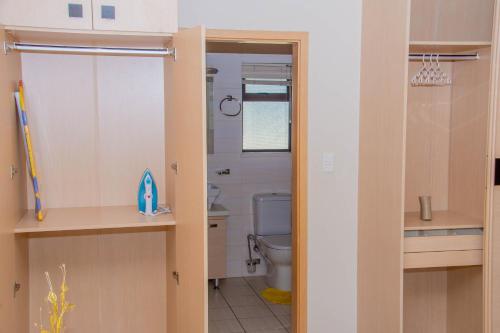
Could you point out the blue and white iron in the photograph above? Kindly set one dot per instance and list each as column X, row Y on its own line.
column 147, row 196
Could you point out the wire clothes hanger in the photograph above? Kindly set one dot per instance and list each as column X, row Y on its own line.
column 430, row 74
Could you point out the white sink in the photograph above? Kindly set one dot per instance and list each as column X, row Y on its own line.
column 213, row 193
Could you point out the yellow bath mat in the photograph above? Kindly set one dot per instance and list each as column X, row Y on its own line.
column 277, row 296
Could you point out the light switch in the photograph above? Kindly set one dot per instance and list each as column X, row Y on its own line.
column 328, row 161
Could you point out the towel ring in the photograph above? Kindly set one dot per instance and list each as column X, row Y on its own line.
column 230, row 98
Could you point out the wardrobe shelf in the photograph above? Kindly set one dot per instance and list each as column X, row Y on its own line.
column 446, row 46
column 88, row 37
column 441, row 220
column 91, row 218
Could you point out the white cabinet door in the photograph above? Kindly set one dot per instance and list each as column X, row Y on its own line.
column 152, row 16
column 61, row 14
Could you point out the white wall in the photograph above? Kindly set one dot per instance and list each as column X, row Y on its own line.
column 335, row 46
column 250, row 172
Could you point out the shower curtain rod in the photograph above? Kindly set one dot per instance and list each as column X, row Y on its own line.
column 75, row 49
column 443, row 56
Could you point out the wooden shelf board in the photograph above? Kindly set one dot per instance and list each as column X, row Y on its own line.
column 441, row 220
column 90, row 218
column 448, row 47
column 88, row 37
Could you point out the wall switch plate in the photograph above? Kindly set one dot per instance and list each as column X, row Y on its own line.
column 328, row 162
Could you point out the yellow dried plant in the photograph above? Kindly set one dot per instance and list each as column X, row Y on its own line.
column 57, row 307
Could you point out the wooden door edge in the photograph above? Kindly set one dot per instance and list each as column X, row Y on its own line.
column 300, row 43
column 490, row 174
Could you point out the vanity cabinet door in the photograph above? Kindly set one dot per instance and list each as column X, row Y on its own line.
column 152, row 16
column 57, row 14
column 216, row 248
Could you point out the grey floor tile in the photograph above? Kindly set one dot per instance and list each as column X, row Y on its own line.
column 280, row 309
column 252, row 311
column 285, row 320
column 263, row 324
column 220, row 313
column 243, row 300
column 216, row 300
column 224, row 326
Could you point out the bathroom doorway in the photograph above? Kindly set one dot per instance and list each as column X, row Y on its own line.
column 256, row 169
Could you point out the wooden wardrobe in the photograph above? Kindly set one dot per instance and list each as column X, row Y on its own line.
column 96, row 134
column 428, row 276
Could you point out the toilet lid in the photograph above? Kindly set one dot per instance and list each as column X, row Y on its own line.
column 278, row 242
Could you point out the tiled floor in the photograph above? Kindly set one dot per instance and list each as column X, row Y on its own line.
column 238, row 307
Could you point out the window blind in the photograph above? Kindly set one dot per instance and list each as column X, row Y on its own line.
column 266, row 73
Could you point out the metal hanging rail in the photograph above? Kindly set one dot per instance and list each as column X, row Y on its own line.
column 75, row 49
column 443, row 56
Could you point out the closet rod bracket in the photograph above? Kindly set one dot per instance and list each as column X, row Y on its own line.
column 6, row 48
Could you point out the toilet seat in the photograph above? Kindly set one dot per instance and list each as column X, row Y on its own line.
column 278, row 242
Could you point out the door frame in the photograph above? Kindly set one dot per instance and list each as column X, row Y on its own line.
column 300, row 43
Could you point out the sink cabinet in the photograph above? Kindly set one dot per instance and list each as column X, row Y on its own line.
column 216, row 247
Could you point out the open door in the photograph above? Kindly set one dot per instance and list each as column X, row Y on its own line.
column 13, row 251
column 185, row 127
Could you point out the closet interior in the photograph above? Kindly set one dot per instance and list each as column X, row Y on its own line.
column 97, row 121
column 446, row 159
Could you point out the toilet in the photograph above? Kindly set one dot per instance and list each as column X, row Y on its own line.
column 272, row 216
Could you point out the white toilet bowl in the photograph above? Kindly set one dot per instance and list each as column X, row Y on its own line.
column 277, row 251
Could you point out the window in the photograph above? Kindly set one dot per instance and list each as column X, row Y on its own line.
column 266, row 113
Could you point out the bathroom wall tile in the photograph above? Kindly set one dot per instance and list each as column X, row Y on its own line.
column 226, row 128
column 231, row 203
column 227, row 145
column 272, row 171
column 237, row 229
column 231, row 190
column 236, row 252
column 233, row 268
